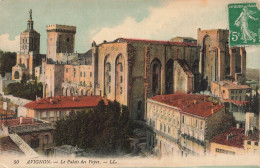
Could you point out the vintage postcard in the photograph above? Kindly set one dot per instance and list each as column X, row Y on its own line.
column 129, row 83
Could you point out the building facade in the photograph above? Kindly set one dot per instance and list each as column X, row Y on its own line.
column 183, row 124
column 132, row 70
column 234, row 94
column 55, row 108
column 218, row 61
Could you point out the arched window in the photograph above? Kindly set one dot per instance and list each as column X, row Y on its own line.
column 156, row 77
column 16, row 75
column 119, row 77
column 107, row 75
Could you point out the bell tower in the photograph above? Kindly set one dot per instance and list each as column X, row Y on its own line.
column 30, row 39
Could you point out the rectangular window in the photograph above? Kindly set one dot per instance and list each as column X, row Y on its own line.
column 164, row 128
column 52, row 114
column 121, row 68
column 84, row 74
column 109, row 78
column 90, row 74
column 182, row 119
column 109, row 89
column 169, row 129
column 240, row 91
column 121, row 90
column 256, row 143
column 58, row 114
column 160, row 126
column 66, row 70
column 80, row 74
column 248, row 142
column 44, row 114
column 201, row 124
column 121, row 79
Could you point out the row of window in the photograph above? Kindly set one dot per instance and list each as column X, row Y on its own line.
column 109, row 67
column 121, row 90
column 236, row 98
column 109, row 79
column 82, row 74
column 52, row 114
column 249, row 143
column 185, row 120
column 236, row 91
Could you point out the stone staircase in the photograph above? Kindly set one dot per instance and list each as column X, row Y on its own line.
column 28, row 151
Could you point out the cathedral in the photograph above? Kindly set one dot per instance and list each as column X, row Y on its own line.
column 29, row 55
column 128, row 70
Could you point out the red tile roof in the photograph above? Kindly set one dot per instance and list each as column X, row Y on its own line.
column 254, row 136
column 232, row 85
column 9, row 113
column 236, row 139
column 16, row 122
column 190, row 103
column 155, row 42
column 67, row 102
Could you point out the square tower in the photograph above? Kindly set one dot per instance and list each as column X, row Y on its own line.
column 61, row 39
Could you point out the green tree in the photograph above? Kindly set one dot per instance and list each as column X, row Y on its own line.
column 7, row 61
column 25, row 90
column 103, row 130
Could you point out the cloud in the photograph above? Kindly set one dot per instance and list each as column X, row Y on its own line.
column 176, row 18
column 9, row 45
column 173, row 18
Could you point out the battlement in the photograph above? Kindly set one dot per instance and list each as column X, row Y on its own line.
column 61, row 28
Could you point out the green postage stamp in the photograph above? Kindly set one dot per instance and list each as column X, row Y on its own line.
column 244, row 24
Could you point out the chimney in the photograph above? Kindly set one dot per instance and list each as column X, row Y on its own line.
column 21, row 120
column 229, row 136
column 238, row 125
column 195, row 101
column 179, row 101
column 212, row 111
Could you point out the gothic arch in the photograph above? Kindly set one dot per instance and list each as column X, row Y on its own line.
column 156, row 76
column 107, row 75
column 119, row 76
column 16, row 75
column 67, row 92
column 169, row 76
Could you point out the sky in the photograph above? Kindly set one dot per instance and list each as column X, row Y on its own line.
column 99, row 20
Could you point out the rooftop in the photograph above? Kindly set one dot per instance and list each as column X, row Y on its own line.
column 18, row 121
column 61, row 27
column 254, row 136
column 232, row 85
column 190, row 103
column 62, row 102
column 232, row 137
column 130, row 40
